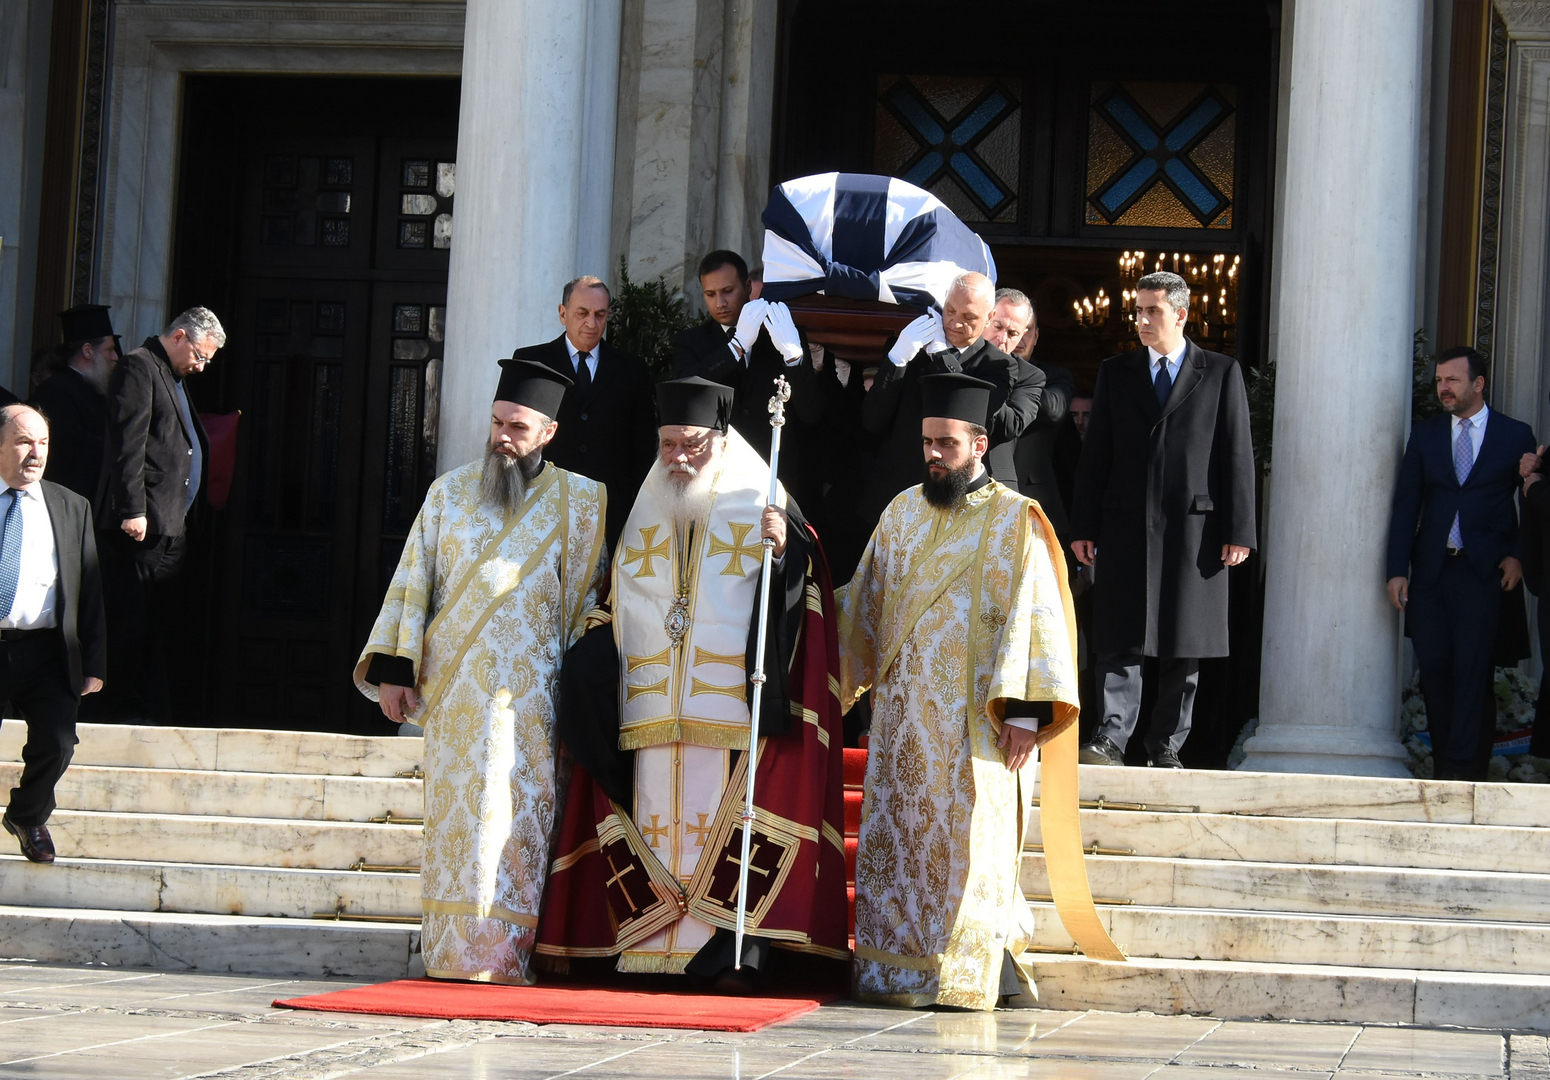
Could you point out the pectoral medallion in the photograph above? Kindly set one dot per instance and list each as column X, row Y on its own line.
column 677, row 622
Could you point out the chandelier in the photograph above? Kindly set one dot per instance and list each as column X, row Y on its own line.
column 1213, row 291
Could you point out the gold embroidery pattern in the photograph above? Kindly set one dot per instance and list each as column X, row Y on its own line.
column 700, row 686
column 647, row 551
column 633, row 692
column 737, row 549
column 632, row 662
column 704, row 656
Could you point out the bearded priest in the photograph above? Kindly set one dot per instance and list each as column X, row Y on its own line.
column 656, row 710
column 958, row 620
column 500, row 569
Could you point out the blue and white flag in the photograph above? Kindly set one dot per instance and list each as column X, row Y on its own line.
column 867, row 238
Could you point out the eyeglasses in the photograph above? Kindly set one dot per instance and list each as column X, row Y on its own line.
column 200, row 358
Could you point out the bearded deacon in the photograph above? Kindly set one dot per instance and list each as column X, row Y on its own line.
column 657, row 711
column 958, row 620
column 500, row 568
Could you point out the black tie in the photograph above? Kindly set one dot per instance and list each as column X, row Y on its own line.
column 1163, row 384
column 583, row 372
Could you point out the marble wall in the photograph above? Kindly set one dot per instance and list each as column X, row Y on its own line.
column 24, row 39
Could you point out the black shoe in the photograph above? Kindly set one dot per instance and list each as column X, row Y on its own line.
column 36, row 843
column 1100, row 750
column 1165, row 759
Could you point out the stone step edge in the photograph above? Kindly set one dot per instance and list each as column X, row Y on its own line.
column 196, row 918
column 1246, row 866
column 234, row 819
column 1246, row 990
column 227, row 774
column 1045, row 907
column 66, row 862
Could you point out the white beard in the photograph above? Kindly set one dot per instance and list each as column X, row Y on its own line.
column 686, row 502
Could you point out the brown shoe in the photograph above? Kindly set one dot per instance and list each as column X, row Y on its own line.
column 36, row 843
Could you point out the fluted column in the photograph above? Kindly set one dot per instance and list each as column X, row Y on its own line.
column 1329, row 689
column 534, row 189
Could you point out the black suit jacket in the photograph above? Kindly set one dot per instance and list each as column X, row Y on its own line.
column 1035, row 452
column 1427, row 497
column 608, row 432
column 77, row 430
column 1160, row 489
column 149, row 452
column 891, row 413
column 78, row 602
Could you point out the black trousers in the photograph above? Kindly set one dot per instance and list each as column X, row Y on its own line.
column 1119, row 684
column 1453, row 625
column 36, row 683
column 140, row 598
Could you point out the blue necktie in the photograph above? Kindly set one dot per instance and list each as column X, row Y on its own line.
column 10, row 553
column 1463, row 461
column 1164, row 383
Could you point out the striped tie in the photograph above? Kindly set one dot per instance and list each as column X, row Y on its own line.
column 1463, row 461
column 10, row 553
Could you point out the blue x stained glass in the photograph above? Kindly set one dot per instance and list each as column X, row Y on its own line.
column 947, row 144
column 1160, row 152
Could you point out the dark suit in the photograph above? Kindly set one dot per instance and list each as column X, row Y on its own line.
column 43, row 670
column 1455, row 599
column 147, row 471
column 77, row 430
column 1034, row 456
column 1160, row 489
column 608, row 430
column 891, row 414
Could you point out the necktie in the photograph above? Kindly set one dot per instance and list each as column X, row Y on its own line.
column 1463, row 461
column 583, row 372
column 10, row 553
column 1164, row 382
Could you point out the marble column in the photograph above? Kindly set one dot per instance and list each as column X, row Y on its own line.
column 1329, row 690
column 534, row 190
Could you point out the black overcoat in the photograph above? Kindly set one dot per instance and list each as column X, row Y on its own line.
column 1035, row 452
column 1160, row 490
column 77, row 427
column 148, row 452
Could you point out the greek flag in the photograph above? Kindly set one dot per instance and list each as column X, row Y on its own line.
column 867, row 238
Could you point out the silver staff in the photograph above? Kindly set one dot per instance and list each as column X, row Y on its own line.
column 777, row 421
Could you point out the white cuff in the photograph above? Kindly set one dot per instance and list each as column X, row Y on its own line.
column 1027, row 723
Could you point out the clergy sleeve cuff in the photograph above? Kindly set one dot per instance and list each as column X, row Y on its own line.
column 393, row 670
column 1028, row 714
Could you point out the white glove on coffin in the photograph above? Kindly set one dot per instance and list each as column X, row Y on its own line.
column 783, row 332
column 916, row 336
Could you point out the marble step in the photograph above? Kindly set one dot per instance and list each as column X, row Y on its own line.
column 306, row 797
column 1306, row 795
column 1341, row 940
column 269, row 892
column 233, row 841
column 1458, row 895
column 168, row 941
column 1321, row 841
column 230, row 750
column 1231, row 990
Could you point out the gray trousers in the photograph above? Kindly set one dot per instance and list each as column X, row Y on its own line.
column 1119, row 679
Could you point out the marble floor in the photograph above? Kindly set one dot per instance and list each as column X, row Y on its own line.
column 125, row 1024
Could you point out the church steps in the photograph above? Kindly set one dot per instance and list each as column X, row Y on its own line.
column 1323, row 841
column 231, row 750
column 237, row 841
column 180, row 941
column 270, row 892
column 1341, row 940
column 1331, row 890
column 1232, row 990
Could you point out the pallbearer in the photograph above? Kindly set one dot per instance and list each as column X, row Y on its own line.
column 497, row 576
column 656, row 712
column 958, row 620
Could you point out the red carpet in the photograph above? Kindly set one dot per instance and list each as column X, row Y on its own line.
column 562, row 1005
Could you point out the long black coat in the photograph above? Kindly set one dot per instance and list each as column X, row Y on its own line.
column 149, row 452
column 1035, row 452
column 83, row 630
column 891, row 415
column 77, row 425
column 1160, row 490
column 607, row 432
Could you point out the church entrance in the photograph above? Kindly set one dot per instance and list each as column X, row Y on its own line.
column 315, row 218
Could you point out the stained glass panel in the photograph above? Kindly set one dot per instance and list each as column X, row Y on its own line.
column 418, row 204
column 417, row 173
column 408, row 318
column 1161, row 155
column 438, row 322
column 446, row 179
column 339, row 172
column 410, row 349
column 441, row 231
column 330, row 315
column 958, row 137
column 412, row 234
column 336, row 232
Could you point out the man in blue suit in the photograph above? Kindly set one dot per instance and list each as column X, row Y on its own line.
column 1453, row 551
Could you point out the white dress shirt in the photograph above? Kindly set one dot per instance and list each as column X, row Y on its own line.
column 1476, row 432
column 37, row 584
column 1175, row 358
column 575, row 358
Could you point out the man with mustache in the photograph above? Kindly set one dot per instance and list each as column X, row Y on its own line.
column 497, row 576
column 657, row 711
column 958, row 622
column 1453, row 551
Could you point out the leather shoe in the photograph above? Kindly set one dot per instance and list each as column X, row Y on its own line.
column 36, row 843
column 1100, row 750
column 1165, row 759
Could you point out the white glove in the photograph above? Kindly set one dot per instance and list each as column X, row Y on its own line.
column 783, row 332
column 748, row 323
column 914, row 337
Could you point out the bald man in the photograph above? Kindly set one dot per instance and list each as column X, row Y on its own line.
column 952, row 340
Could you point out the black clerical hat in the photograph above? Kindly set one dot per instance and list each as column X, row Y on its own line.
column 537, row 386
column 86, row 322
column 694, row 402
column 955, row 396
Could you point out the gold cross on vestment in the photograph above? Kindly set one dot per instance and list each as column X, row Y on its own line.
column 753, row 868
column 618, row 879
column 699, row 831
column 655, row 830
column 646, row 552
column 737, row 549
column 993, row 617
